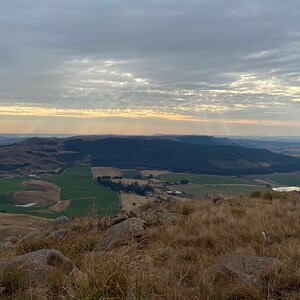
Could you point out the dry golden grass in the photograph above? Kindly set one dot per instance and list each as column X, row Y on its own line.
column 130, row 201
column 176, row 261
column 153, row 172
column 22, row 220
column 106, row 171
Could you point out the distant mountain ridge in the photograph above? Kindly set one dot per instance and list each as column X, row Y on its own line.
column 198, row 154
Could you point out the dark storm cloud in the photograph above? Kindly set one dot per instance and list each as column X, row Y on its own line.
column 208, row 58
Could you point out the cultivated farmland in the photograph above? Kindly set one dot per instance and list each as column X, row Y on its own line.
column 83, row 195
column 201, row 186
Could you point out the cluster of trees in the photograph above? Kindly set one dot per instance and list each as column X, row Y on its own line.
column 109, row 177
column 142, row 190
column 184, row 181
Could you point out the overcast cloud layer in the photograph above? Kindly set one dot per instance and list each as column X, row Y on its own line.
column 185, row 61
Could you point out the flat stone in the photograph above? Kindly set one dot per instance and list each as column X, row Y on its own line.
column 129, row 228
column 246, row 267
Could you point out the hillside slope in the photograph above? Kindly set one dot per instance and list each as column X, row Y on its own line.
column 38, row 155
column 178, row 156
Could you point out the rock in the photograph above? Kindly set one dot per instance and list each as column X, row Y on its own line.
column 38, row 264
column 6, row 246
column 60, row 221
column 11, row 239
column 59, row 234
column 246, row 268
column 129, row 228
column 116, row 220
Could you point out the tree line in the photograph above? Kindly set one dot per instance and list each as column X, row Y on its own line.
column 142, row 190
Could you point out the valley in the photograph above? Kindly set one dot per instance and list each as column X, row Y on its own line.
column 102, row 175
column 76, row 193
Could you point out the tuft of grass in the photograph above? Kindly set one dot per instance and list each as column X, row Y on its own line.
column 104, row 277
column 183, row 207
column 13, row 282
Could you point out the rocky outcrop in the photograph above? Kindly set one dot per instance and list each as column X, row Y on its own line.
column 111, row 221
column 39, row 264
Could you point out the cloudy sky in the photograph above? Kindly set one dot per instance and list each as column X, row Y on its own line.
column 220, row 67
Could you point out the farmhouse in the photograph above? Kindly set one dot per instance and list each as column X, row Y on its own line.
column 174, row 192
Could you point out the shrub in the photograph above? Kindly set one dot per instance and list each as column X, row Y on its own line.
column 256, row 194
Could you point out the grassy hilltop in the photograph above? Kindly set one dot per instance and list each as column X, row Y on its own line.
column 181, row 259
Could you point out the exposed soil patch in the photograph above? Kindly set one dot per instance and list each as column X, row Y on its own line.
column 48, row 194
column 58, row 207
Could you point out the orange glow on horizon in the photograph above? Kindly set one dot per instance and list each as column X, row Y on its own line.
column 128, row 114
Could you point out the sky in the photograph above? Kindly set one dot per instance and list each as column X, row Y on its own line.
column 216, row 67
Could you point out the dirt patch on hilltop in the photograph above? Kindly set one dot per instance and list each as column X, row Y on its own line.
column 47, row 193
column 38, row 184
column 58, row 207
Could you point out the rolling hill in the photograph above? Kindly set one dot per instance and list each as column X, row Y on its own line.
column 184, row 154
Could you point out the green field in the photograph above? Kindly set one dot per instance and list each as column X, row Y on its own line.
column 203, row 179
column 210, row 185
column 89, row 198
column 77, row 185
column 7, row 187
column 286, row 180
column 202, row 191
column 86, row 195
